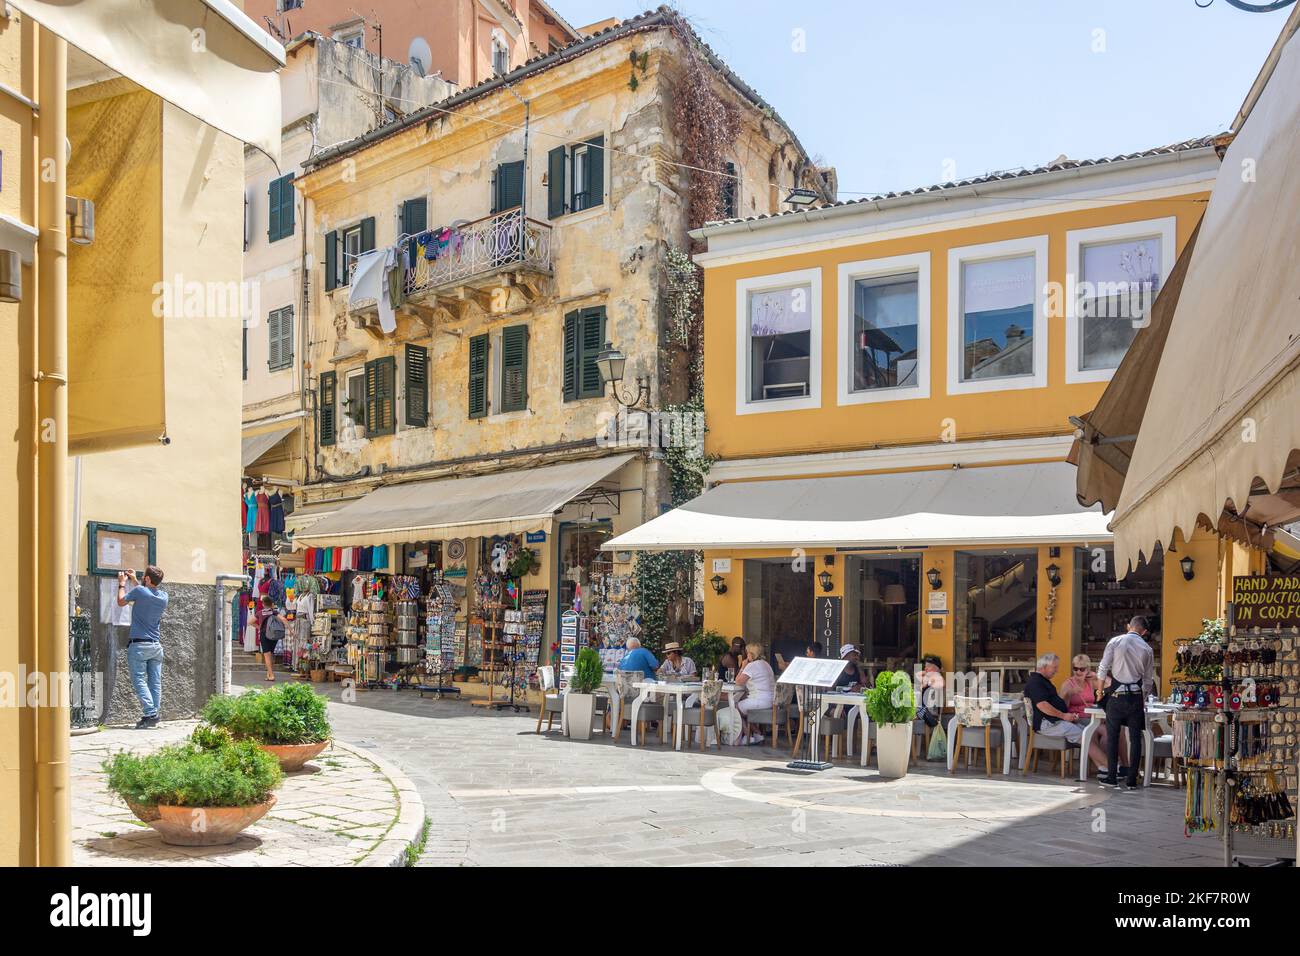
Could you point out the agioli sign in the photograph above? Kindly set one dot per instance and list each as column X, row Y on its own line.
column 1266, row 600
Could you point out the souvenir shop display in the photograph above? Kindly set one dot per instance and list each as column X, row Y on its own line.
column 1236, row 735
column 618, row 615
column 532, row 606
column 442, row 605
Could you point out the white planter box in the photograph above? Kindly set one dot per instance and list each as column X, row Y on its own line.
column 893, row 748
column 579, row 714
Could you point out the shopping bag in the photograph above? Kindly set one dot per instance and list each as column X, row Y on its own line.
column 938, row 749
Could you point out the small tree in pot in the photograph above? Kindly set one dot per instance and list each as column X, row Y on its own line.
column 288, row 721
column 580, row 696
column 891, row 706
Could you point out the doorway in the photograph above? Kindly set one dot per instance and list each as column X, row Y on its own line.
column 778, row 606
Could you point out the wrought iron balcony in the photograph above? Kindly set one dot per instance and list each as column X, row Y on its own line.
column 505, row 243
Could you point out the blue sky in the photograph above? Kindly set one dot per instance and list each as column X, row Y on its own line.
column 902, row 93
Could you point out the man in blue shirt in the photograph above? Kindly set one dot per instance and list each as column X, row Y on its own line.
column 638, row 658
column 144, row 653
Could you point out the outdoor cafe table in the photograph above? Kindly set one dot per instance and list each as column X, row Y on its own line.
column 857, row 707
column 1097, row 716
column 679, row 690
column 1008, row 707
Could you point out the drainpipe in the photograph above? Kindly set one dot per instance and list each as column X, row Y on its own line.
column 53, row 723
column 223, row 655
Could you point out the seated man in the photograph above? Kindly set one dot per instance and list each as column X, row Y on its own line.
column 638, row 658
column 854, row 674
column 1052, row 718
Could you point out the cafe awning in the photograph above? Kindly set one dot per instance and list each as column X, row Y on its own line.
column 1221, row 424
column 999, row 505
column 205, row 57
column 504, row 502
column 255, row 446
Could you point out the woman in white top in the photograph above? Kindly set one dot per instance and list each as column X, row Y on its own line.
column 760, row 685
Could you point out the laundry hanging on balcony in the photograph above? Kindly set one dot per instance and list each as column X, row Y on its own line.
column 436, row 242
column 372, row 281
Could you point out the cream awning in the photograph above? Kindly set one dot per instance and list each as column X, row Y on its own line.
column 481, row 505
column 255, row 446
column 304, row 516
column 1223, row 406
column 1003, row 504
column 205, row 57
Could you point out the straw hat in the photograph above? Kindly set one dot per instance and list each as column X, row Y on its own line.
column 672, row 646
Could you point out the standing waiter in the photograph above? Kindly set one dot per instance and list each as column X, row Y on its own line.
column 1128, row 671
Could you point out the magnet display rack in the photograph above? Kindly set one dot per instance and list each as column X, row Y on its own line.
column 1276, row 840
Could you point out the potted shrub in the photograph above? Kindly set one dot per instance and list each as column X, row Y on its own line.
column 204, row 792
column 705, row 648
column 287, row 721
column 580, row 696
column 891, row 706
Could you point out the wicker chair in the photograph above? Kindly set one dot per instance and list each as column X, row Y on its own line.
column 974, row 729
column 552, row 701
column 706, row 715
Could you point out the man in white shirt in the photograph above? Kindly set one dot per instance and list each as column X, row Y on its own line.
column 1128, row 673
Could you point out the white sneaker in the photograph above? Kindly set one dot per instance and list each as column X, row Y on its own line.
column 756, row 739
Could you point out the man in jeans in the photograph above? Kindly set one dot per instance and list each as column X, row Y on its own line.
column 1128, row 671
column 144, row 653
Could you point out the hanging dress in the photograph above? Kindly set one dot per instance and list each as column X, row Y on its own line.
column 250, row 513
column 263, row 514
column 276, row 505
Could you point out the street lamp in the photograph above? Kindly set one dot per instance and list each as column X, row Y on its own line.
column 933, row 576
column 611, row 363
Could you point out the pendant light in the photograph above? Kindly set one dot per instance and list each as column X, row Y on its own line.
column 894, row 594
column 871, row 590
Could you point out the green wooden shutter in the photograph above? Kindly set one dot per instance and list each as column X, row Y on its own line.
column 367, row 234
column 592, row 341
column 514, row 368
column 381, row 394
column 478, row 376
column 245, row 352
column 286, row 206
column 556, row 163
column 284, row 332
column 273, row 210
column 328, row 394
column 331, row 260
column 507, row 186
column 273, row 339
column 571, row 323
column 595, row 171
column 415, row 218
column 417, row 385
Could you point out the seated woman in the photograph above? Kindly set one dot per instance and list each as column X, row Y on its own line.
column 760, row 685
column 854, row 674
column 728, row 662
column 930, row 704
column 1081, row 690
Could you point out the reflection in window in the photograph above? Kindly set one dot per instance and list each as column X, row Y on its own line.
column 780, row 342
column 997, row 316
column 996, row 606
column 885, row 320
column 1118, row 282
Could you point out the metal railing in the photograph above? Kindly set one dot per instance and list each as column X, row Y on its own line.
column 491, row 244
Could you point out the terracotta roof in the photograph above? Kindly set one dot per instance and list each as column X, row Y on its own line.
column 651, row 20
column 1055, row 165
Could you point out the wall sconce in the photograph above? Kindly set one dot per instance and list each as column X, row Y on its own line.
column 611, row 362
column 719, row 585
column 824, row 579
column 11, row 276
column 81, row 216
column 1053, row 575
column 1187, row 564
column 935, row 579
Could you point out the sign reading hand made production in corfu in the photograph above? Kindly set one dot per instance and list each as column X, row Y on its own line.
column 1266, row 600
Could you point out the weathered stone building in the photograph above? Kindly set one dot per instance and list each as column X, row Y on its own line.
column 532, row 218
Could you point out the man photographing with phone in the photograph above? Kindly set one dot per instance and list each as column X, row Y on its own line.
column 144, row 653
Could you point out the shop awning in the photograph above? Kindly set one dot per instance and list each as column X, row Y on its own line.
column 304, row 516
column 205, row 57
column 1005, row 504
column 1221, row 421
column 477, row 506
column 255, row 446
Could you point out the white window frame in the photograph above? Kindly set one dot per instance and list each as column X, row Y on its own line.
column 348, row 376
column 1165, row 229
column 1006, row 249
column 849, row 273
column 784, row 280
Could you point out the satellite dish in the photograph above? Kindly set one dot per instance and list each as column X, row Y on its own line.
column 420, row 56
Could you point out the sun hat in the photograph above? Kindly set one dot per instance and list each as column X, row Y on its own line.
column 847, row 649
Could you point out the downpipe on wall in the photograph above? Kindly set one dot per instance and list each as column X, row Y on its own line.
column 224, row 637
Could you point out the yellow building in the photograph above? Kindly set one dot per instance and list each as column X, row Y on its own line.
column 889, row 387
column 120, row 261
column 529, row 222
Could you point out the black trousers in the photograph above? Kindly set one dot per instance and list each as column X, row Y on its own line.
column 1125, row 710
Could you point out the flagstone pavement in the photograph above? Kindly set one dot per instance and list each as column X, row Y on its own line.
column 345, row 808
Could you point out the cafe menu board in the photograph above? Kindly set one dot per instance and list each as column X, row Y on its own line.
column 568, row 646
column 812, row 672
column 1266, row 600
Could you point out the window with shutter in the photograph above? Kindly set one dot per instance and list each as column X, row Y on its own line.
column 331, row 261
column 593, row 340
column 729, row 191
column 478, row 376
column 417, row 385
column 508, row 187
column 280, row 197
column 514, row 368
column 368, row 234
column 572, row 321
column 279, row 329
column 575, row 177
column 415, row 218
column 381, row 396
column 557, row 161
column 328, row 394
column 595, row 184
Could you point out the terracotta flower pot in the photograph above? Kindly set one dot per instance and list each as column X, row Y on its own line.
column 293, row 756
column 206, row 826
column 146, row 813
